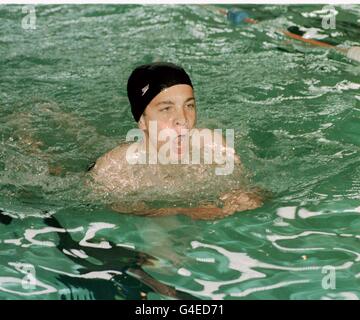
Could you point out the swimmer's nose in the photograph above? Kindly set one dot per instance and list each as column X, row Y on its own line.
column 181, row 119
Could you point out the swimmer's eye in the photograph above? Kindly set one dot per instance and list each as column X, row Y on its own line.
column 165, row 109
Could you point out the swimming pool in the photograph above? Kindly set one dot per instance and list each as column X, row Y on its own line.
column 295, row 110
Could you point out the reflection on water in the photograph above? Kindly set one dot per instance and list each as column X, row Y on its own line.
column 295, row 113
column 104, row 270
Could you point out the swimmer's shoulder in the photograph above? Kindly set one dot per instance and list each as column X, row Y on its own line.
column 110, row 161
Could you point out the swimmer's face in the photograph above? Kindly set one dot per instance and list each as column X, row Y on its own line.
column 173, row 108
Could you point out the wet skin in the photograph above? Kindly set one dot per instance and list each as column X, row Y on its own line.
column 174, row 108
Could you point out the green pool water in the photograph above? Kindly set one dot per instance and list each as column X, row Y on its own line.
column 295, row 110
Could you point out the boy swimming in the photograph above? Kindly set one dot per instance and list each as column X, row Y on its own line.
column 163, row 104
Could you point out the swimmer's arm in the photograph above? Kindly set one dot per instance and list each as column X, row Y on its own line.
column 98, row 177
column 234, row 201
column 107, row 164
column 240, row 200
column 204, row 213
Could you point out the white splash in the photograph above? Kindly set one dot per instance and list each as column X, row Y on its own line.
column 93, row 228
column 76, row 253
column 11, row 281
column 245, row 265
column 6, row 282
column 343, row 295
column 206, row 260
column 16, row 242
column 126, row 245
column 292, row 212
column 105, row 274
column 286, row 212
column 30, row 234
column 184, row 272
column 265, row 288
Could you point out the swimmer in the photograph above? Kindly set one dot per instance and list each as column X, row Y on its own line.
column 162, row 100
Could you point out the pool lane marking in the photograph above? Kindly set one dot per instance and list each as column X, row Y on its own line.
column 352, row 53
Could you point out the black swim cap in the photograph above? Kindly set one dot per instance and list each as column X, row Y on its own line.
column 148, row 80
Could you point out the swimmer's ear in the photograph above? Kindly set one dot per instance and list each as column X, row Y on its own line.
column 141, row 123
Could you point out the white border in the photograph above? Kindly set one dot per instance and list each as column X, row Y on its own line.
column 284, row 2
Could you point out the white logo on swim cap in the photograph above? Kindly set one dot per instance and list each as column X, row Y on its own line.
column 146, row 88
